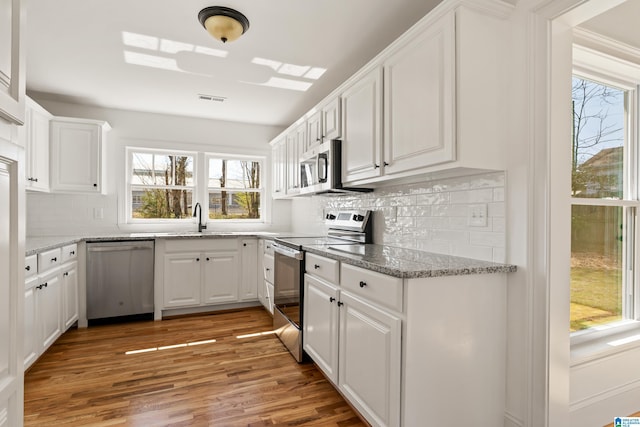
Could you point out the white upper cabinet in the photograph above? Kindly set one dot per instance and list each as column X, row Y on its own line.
column 37, row 147
column 77, row 155
column 419, row 95
column 279, row 164
column 362, row 127
column 296, row 140
column 324, row 124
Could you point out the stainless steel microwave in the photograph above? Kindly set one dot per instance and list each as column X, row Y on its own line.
column 321, row 170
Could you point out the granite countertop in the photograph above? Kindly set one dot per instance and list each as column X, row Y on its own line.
column 407, row 263
column 393, row 261
column 34, row 245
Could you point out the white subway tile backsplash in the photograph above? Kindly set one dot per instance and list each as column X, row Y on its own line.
column 433, row 215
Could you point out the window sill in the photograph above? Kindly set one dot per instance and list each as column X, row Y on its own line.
column 604, row 341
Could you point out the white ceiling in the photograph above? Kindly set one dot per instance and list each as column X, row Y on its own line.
column 154, row 56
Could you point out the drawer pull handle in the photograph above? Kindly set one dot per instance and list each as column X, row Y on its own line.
column 54, row 259
column 363, row 284
column 331, row 299
column 28, row 268
column 316, row 266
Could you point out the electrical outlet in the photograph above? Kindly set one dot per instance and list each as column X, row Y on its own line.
column 477, row 215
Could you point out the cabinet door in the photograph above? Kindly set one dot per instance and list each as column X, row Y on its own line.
column 76, row 157
column 331, row 120
column 314, row 131
column 250, row 268
column 48, row 306
column 269, row 296
column 362, row 128
column 419, row 101
column 69, row 295
column 30, row 336
column 295, row 145
column 221, row 281
column 182, row 279
column 37, row 161
column 321, row 325
column 278, row 160
column 369, row 357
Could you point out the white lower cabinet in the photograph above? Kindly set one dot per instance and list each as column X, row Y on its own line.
column 69, row 282
column 355, row 342
column 31, row 350
column 265, row 290
column 196, row 273
column 50, row 299
column 409, row 352
column 321, row 325
column 221, row 282
column 49, row 309
column 369, row 360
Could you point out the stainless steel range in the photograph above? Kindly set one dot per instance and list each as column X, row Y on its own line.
column 351, row 227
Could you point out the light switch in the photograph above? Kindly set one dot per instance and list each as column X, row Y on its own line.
column 477, row 215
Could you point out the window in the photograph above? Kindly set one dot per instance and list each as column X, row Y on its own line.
column 161, row 185
column 604, row 205
column 234, row 188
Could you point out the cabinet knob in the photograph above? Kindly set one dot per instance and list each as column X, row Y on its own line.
column 72, row 253
column 45, row 284
column 340, row 303
column 54, row 259
column 376, row 166
column 66, row 273
column 207, row 258
column 28, row 268
column 331, row 299
column 268, row 269
column 95, row 185
column 385, row 163
column 244, row 244
column 363, row 284
column 316, row 266
column 197, row 259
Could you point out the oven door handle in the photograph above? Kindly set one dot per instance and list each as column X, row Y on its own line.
column 288, row 252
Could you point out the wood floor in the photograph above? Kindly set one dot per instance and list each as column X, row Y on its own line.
column 87, row 379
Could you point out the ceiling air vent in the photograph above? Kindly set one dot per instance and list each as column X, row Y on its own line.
column 205, row 97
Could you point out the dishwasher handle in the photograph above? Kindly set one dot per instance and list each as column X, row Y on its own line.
column 117, row 248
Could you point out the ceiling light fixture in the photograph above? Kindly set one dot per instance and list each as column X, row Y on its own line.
column 223, row 23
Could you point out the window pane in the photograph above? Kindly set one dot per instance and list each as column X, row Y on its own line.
column 161, row 203
column 597, row 240
column 174, row 170
column 234, row 205
column 598, row 140
column 226, row 173
column 142, row 165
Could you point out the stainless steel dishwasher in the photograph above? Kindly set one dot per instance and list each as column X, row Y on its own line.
column 119, row 278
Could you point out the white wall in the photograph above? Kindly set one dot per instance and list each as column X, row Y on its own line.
column 69, row 214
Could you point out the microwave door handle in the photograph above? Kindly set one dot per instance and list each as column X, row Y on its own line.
column 323, row 168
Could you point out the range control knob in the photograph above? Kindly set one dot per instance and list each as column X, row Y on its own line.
column 331, row 216
column 357, row 217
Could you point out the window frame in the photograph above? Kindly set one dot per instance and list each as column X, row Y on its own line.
column 261, row 160
column 129, row 185
column 200, row 187
column 605, row 69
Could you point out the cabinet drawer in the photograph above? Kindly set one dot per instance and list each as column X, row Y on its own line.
column 49, row 259
column 203, row 244
column 30, row 266
column 69, row 252
column 379, row 288
column 268, row 247
column 268, row 267
column 326, row 268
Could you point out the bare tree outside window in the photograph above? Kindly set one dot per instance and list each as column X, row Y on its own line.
column 598, row 214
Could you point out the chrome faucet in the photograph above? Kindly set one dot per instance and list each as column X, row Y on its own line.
column 197, row 208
